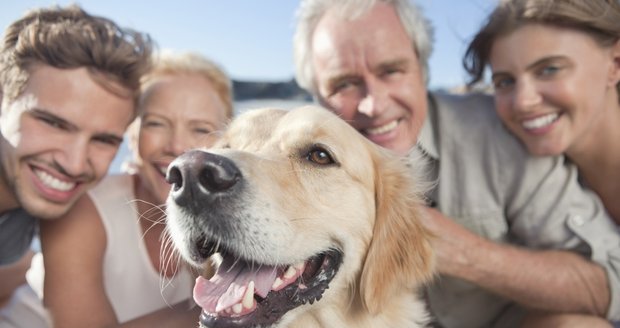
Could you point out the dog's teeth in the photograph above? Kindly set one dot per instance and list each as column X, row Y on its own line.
column 237, row 308
column 300, row 266
column 248, row 297
column 277, row 283
column 290, row 272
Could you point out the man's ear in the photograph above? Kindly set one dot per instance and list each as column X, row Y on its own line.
column 614, row 76
column 1, row 101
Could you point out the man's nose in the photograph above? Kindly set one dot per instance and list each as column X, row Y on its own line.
column 75, row 157
column 375, row 100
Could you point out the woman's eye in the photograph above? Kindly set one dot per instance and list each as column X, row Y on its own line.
column 151, row 123
column 502, row 83
column 320, row 156
column 202, row 131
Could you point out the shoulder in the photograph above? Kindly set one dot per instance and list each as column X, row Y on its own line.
column 111, row 190
column 112, row 182
column 468, row 123
column 473, row 112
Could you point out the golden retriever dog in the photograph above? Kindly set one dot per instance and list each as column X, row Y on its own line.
column 313, row 225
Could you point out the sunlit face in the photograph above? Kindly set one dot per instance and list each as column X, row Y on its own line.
column 554, row 87
column 367, row 71
column 179, row 112
column 58, row 139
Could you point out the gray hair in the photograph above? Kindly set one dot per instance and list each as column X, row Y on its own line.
column 310, row 13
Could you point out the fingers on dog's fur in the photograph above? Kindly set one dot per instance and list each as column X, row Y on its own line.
column 400, row 255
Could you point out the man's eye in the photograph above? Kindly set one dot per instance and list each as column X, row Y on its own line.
column 320, row 156
column 548, row 70
column 341, row 86
column 51, row 122
column 109, row 141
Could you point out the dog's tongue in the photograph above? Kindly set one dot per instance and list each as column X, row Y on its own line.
column 227, row 287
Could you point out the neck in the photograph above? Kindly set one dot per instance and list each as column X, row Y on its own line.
column 598, row 158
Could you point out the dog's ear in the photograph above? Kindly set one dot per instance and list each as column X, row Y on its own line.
column 400, row 254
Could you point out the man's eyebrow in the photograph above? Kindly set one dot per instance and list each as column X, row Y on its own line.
column 339, row 78
column 40, row 112
column 72, row 127
column 393, row 63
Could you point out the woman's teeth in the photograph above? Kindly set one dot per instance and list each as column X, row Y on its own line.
column 540, row 121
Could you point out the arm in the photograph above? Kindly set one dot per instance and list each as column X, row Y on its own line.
column 74, row 248
column 546, row 280
column 12, row 276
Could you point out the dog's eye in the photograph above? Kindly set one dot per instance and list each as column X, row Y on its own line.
column 320, row 156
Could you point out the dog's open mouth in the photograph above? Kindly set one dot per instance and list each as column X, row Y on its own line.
column 245, row 294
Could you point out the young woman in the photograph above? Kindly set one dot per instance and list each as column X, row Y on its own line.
column 556, row 71
column 109, row 262
column 555, row 67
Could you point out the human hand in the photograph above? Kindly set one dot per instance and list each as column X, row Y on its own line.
column 452, row 243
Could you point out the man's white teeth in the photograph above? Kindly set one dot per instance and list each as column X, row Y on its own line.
column 163, row 170
column 384, row 128
column 248, row 297
column 540, row 122
column 51, row 182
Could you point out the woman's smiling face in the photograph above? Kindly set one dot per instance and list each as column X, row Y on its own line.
column 178, row 113
column 553, row 86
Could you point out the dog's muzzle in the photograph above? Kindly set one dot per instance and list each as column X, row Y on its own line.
column 199, row 177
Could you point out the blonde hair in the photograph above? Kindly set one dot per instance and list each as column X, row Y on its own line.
column 69, row 38
column 598, row 18
column 170, row 63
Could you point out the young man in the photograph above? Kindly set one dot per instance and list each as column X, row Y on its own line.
column 69, row 83
column 518, row 238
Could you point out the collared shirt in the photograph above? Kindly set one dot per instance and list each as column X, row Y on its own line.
column 17, row 229
column 488, row 183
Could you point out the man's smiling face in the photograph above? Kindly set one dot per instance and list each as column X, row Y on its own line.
column 59, row 137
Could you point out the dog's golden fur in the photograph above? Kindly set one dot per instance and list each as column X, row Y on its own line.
column 367, row 204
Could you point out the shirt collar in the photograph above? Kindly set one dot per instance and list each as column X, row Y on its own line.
column 427, row 141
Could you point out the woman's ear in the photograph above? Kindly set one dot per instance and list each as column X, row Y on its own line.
column 614, row 76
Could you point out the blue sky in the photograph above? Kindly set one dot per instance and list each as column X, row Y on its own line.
column 252, row 39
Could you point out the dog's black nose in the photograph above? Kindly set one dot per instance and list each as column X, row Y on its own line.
column 198, row 176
